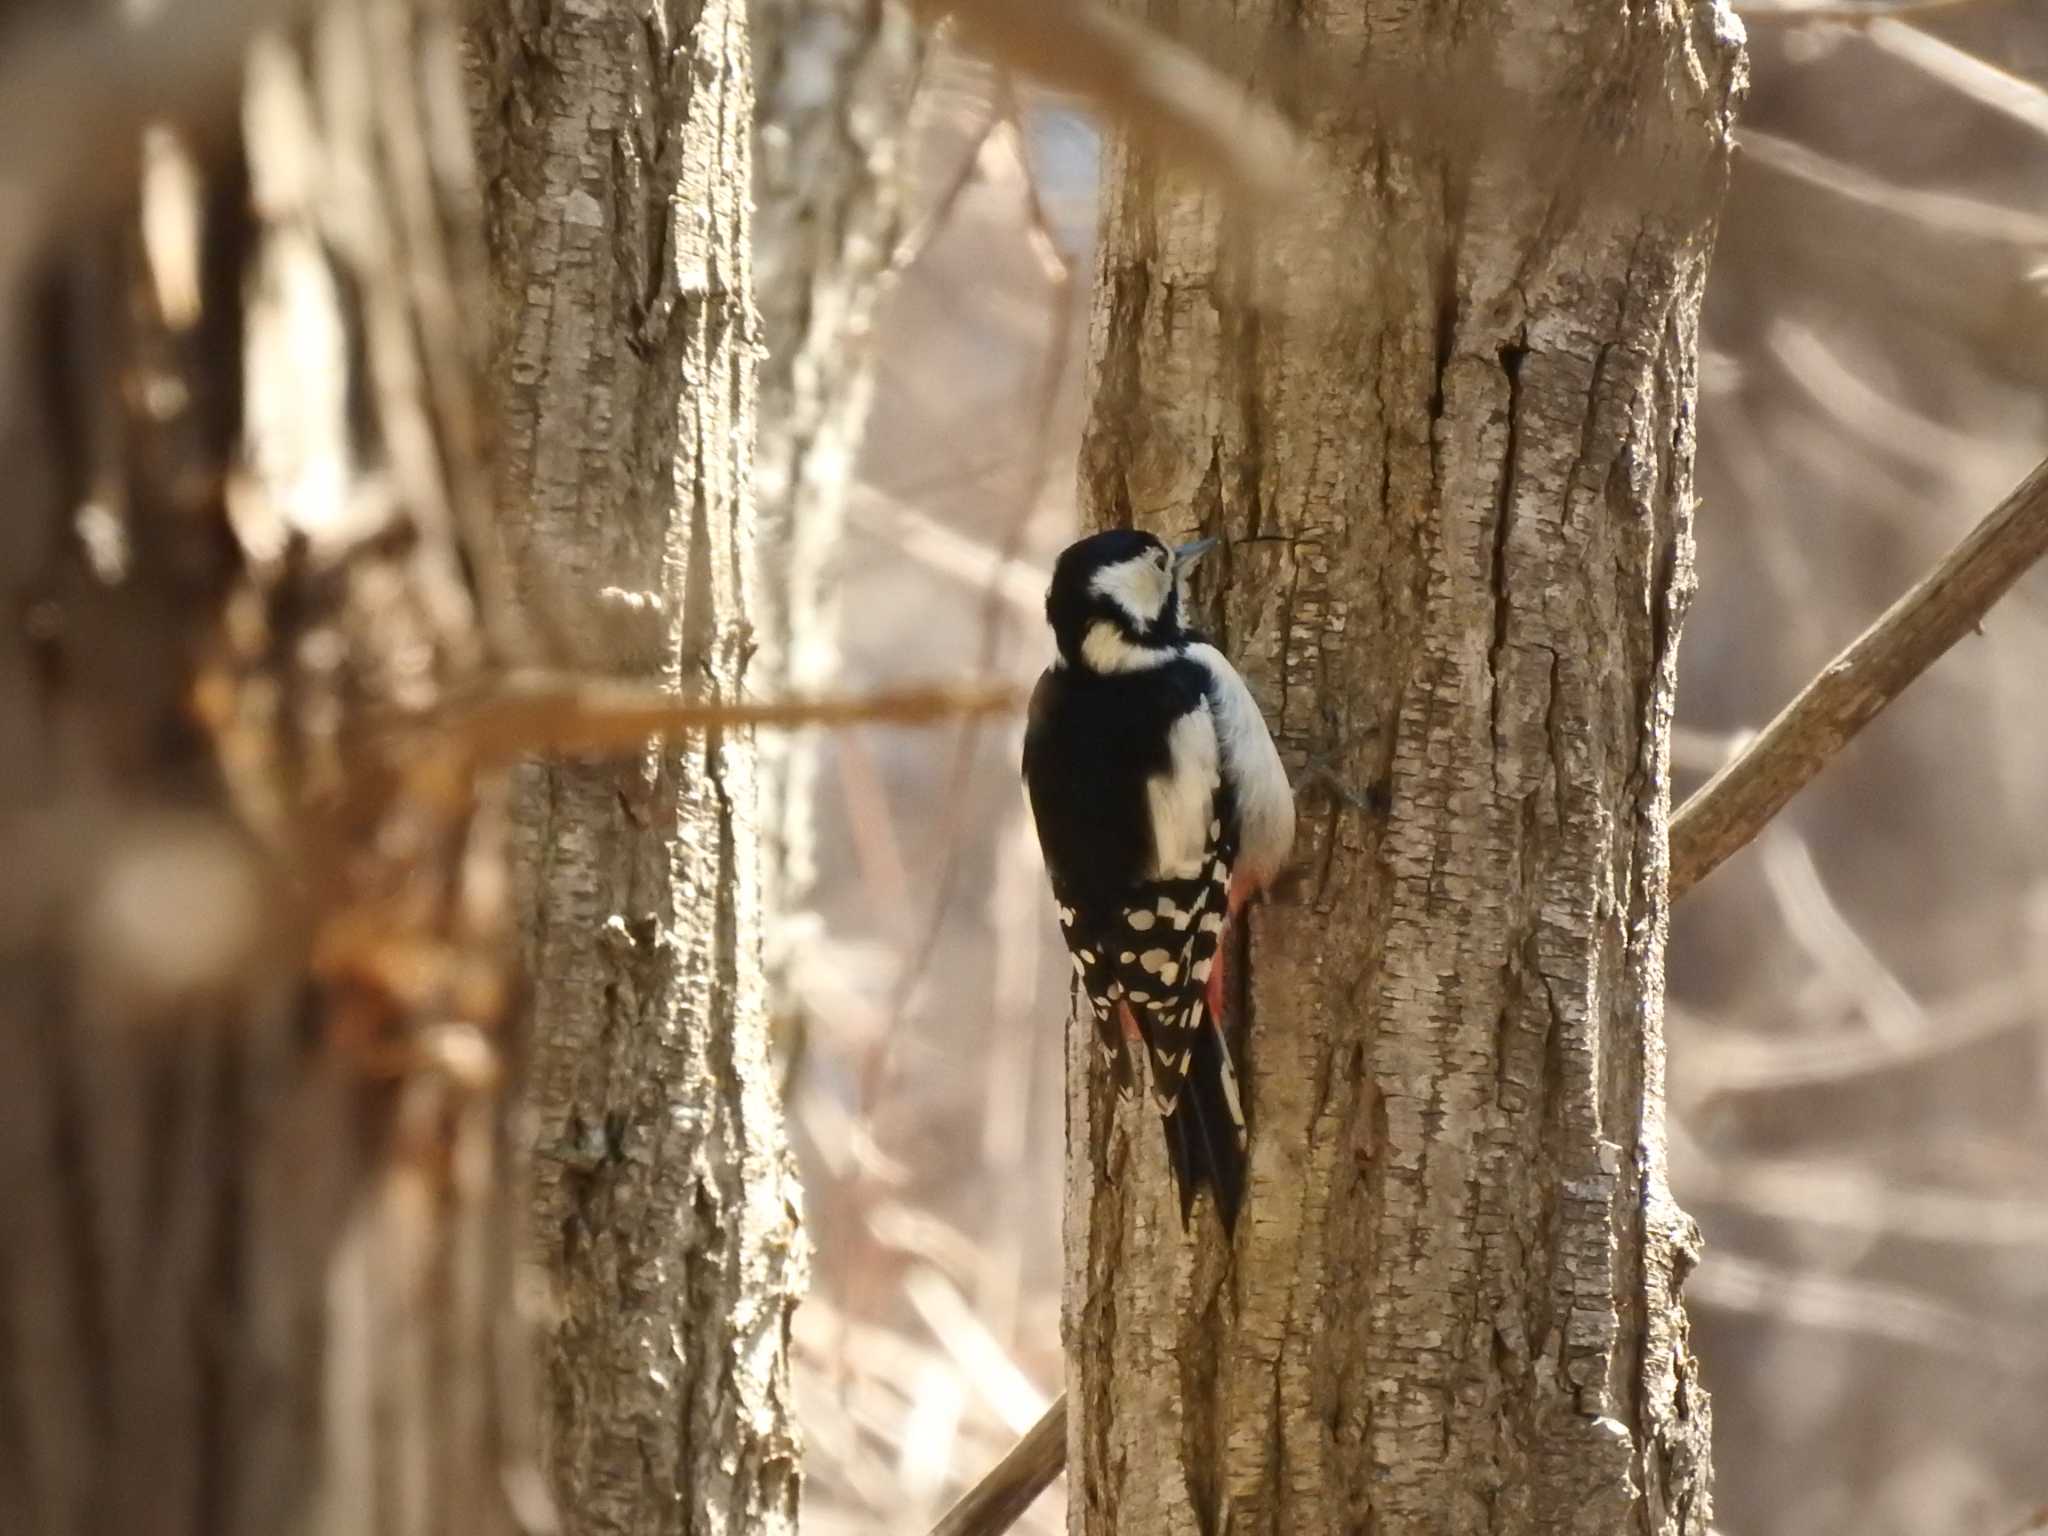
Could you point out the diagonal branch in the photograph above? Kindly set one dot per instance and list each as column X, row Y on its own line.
column 996, row 1502
column 1853, row 689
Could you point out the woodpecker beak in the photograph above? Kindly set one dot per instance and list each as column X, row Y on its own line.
column 1188, row 554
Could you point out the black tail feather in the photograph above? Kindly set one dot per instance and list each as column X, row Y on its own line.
column 1203, row 1140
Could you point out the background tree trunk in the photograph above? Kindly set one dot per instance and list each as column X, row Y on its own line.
column 836, row 78
column 616, row 142
column 255, row 1255
column 1443, row 415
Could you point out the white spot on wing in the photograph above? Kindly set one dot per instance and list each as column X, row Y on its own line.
column 1140, row 919
column 1230, row 1099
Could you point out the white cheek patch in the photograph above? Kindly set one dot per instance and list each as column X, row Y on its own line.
column 1138, row 586
column 1181, row 799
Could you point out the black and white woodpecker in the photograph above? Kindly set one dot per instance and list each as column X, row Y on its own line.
column 1162, row 808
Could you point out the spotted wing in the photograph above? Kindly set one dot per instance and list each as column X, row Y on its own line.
column 1160, row 963
column 1096, row 978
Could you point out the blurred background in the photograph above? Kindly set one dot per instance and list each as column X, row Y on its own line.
column 1858, row 1002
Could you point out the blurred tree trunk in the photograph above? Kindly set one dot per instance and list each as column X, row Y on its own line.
column 1443, row 414
column 255, row 1254
column 836, row 79
column 616, row 146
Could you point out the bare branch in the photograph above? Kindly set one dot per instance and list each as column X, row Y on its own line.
column 1854, row 688
column 546, row 713
column 1152, row 84
column 1840, row 1304
column 1851, row 12
column 1978, row 79
column 1958, row 270
column 1991, row 1012
column 995, row 1503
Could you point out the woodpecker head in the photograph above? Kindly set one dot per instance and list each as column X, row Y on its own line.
column 1114, row 603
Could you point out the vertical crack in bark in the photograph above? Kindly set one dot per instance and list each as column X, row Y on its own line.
column 1511, row 355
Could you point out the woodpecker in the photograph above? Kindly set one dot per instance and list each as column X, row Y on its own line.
column 1162, row 808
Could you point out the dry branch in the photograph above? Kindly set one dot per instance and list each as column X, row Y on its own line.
column 1978, row 79
column 573, row 716
column 1850, row 12
column 1854, row 688
column 995, row 1503
column 1155, row 86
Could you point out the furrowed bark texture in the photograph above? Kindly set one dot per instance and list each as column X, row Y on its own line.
column 1443, row 416
column 255, row 1254
column 616, row 139
column 835, row 79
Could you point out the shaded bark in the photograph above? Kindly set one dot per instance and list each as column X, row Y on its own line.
column 616, row 140
column 255, row 1264
column 1443, row 416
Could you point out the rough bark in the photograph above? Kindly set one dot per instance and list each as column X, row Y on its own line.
column 835, row 83
column 1443, row 416
column 255, row 1269
column 616, row 140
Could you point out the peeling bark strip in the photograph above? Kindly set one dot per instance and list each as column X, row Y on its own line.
column 256, row 1250
column 616, row 137
column 1445, row 423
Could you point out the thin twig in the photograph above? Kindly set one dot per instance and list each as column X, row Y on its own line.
column 996, row 1502
column 1842, row 1304
column 1988, row 1014
column 579, row 716
column 915, row 242
column 1854, row 688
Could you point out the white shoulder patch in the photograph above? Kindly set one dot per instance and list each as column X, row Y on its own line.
column 1258, row 779
column 1106, row 649
column 1182, row 798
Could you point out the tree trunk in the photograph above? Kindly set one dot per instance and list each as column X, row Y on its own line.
column 616, row 140
column 255, row 1255
column 836, row 82
column 1442, row 413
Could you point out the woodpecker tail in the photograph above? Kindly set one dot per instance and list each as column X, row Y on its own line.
column 1205, row 1129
